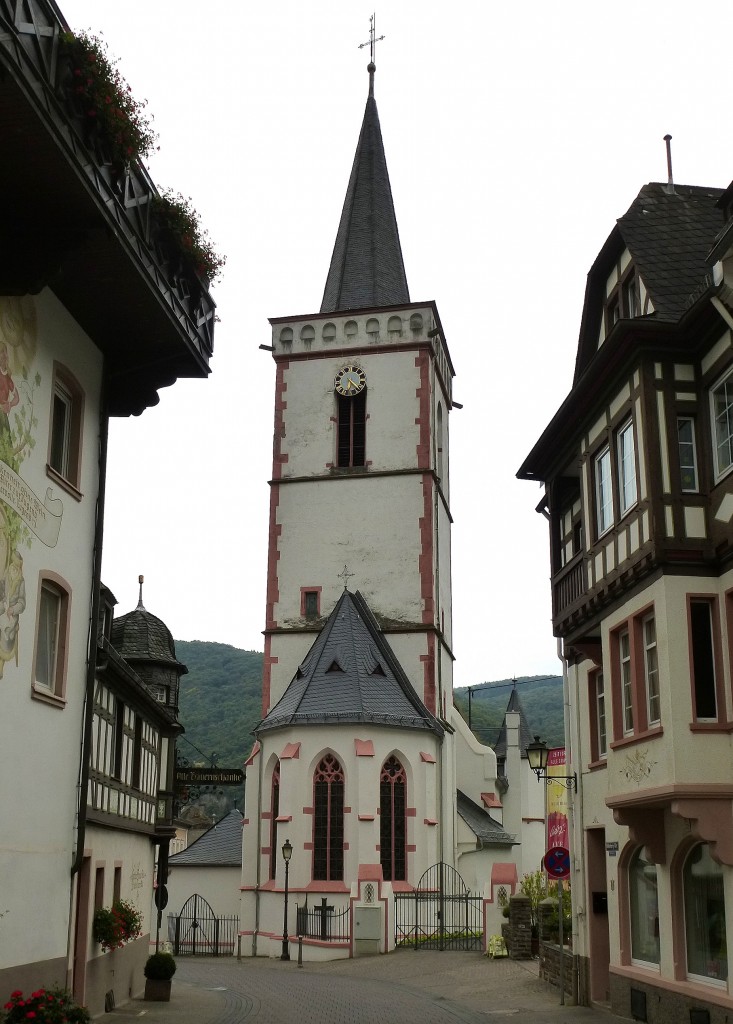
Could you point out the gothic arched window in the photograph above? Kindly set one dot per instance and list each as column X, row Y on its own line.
column 274, row 811
column 393, row 820
column 328, row 820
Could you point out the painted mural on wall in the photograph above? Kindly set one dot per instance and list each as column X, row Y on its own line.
column 23, row 515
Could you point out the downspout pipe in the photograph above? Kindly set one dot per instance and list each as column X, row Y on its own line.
column 86, row 745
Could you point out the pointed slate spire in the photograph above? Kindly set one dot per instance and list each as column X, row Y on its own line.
column 367, row 267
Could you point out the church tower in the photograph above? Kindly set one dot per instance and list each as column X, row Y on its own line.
column 354, row 761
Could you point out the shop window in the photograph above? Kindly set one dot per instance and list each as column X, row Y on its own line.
column 704, row 902
column 643, row 909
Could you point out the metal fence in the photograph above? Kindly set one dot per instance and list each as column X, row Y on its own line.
column 440, row 913
column 197, row 931
column 323, row 922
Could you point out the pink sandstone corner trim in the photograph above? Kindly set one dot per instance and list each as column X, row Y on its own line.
column 428, row 759
column 491, row 800
column 367, row 817
column 364, row 748
column 292, row 750
column 430, row 821
column 284, row 817
column 370, row 873
column 255, row 751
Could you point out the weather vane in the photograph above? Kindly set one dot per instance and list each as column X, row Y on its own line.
column 372, row 42
column 345, row 576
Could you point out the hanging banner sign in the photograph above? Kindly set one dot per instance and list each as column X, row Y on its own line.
column 209, row 776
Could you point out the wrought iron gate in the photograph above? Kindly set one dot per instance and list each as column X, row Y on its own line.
column 440, row 913
column 197, row 931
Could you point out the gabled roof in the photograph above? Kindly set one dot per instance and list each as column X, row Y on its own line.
column 486, row 829
column 669, row 234
column 367, row 267
column 525, row 736
column 350, row 674
column 221, row 846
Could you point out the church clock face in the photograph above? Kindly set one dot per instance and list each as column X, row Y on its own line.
column 350, row 380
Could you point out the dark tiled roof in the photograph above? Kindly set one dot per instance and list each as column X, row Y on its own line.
column 350, row 674
column 669, row 236
column 525, row 736
column 221, row 846
column 484, row 827
column 367, row 267
column 140, row 636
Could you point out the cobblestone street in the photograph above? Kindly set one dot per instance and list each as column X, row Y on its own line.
column 405, row 987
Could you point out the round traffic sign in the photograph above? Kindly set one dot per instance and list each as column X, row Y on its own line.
column 557, row 862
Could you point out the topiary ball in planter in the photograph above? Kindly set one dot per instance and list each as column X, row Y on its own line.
column 159, row 969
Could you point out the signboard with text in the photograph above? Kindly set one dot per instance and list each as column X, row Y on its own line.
column 209, row 776
column 557, row 800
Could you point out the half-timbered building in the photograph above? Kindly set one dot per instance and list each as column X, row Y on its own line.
column 638, row 472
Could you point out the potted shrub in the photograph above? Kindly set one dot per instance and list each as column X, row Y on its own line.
column 159, row 970
column 113, row 926
column 184, row 239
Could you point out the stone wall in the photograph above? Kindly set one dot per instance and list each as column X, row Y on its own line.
column 550, row 967
column 518, row 933
column 662, row 1006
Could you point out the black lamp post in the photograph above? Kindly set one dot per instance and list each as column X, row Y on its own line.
column 537, row 753
column 287, row 854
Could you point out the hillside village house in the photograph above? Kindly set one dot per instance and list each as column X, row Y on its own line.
column 95, row 317
column 363, row 768
column 638, row 472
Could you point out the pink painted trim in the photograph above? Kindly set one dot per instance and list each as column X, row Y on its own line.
column 430, row 821
column 323, row 886
column 245, row 821
column 364, row 748
column 491, row 800
column 266, row 815
column 411, row 812
column 255, row 751
column 402, row 887
column 689, row 989
column 310, row 590
column 367, row 817
column 504, row 873
column 307, row 810
column 370, row 873
column 292, row 750
column 428, row 758
column 409, row 848
column 284, row 817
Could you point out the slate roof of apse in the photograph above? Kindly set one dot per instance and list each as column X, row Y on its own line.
column 140, row 636
column 525, row 736
column 483, row 826
column 369, row 684
column 220, row 846
column 367, row 268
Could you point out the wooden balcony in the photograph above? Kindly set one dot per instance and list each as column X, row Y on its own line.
column 568, row 589
column 77, row 224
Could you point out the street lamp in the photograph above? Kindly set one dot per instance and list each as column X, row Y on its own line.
column 287, row 854
column 537, row 753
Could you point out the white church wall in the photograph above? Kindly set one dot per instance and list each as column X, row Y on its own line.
column 475, row 763
column 218, row 884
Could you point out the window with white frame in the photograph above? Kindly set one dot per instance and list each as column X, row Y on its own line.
column 721, row 409
column 624, row 642
column 64, row 447
column 604, row 492
column 626, row 467
column 651, row 670
column 50, row 651
column 687, row 453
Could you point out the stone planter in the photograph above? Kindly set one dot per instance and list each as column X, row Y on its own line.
column 157, row 990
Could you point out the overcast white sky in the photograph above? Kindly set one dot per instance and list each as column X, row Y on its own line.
column 515, row 133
